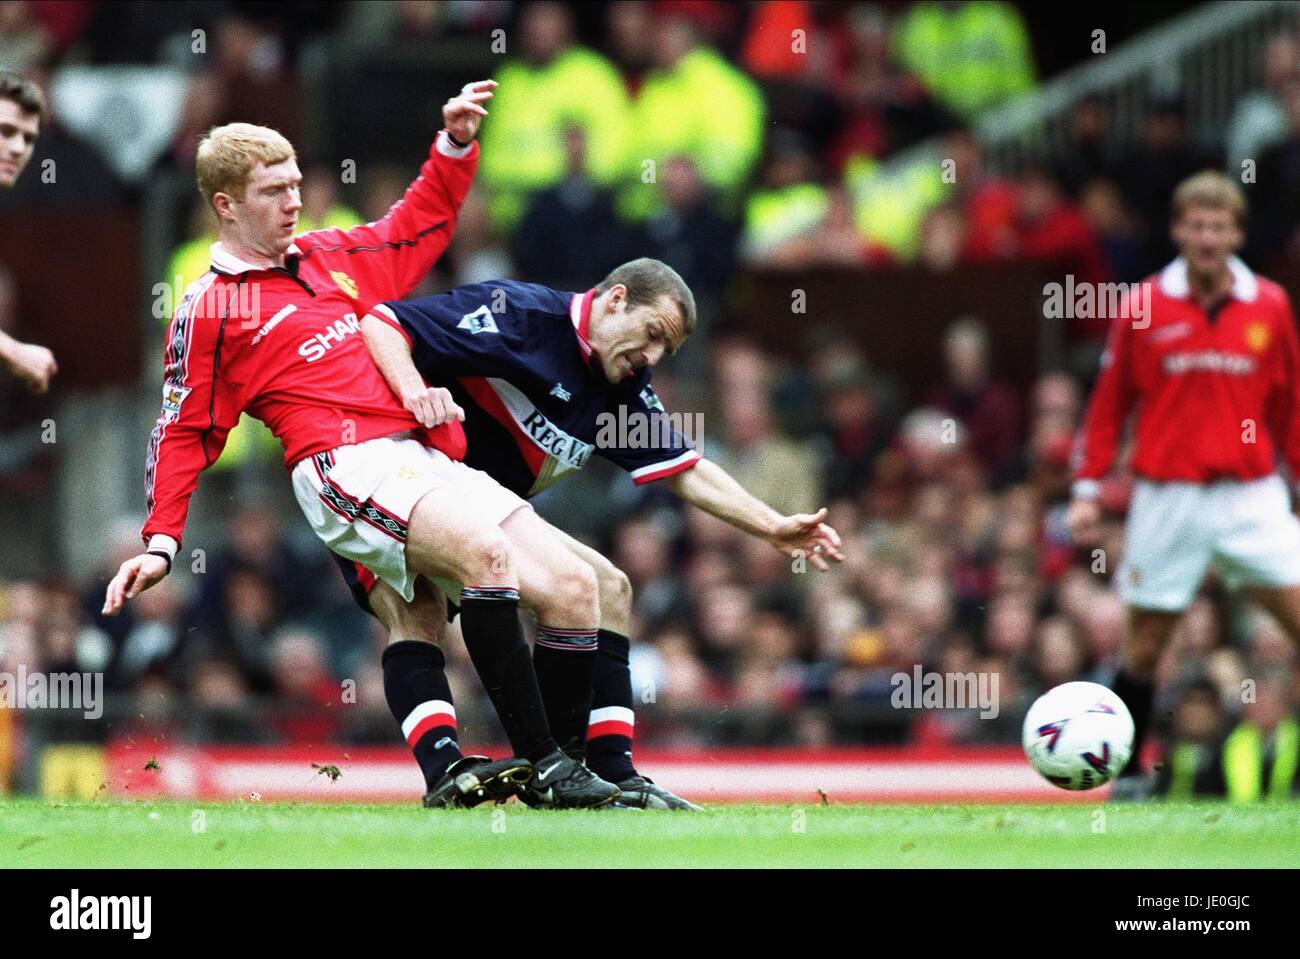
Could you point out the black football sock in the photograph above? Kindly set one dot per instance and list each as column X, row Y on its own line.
column 489, row 620
column 565, row 660
column 1138, row 696
column 609, row 733
column 415, row 685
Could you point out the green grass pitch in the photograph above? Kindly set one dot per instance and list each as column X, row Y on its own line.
column 174, row 834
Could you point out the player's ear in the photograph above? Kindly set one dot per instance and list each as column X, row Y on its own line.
column 617, row 296
column 222, row 203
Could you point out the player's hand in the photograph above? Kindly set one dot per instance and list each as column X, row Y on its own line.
column 463, row 113
column 34, row 365
column 135, row 576
column 805, row 534
column 1084, row 519
column 433, row 406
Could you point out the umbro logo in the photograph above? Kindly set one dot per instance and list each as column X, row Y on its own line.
column 558, row 390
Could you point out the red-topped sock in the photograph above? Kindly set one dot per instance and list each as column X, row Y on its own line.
column 415, row 685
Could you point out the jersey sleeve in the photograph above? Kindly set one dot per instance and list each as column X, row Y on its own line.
column 199, row 409
column 474, row 330
column 387, row 258
column 637, row 434
column 1112, row 401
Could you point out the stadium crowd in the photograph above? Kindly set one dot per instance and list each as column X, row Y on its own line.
column 959, row 558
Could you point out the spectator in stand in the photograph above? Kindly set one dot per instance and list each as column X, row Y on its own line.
column 989, row 409
column 1261, row 756
column 1148, row 174
column 631, row 40
column 788, row 206
column 241, row 635
column 695, row 103
column 1193, row 765
column 692, row 237
column 777, row 470
column 477, row 254
column 1259, row 120
column 882, row 109
column 1274, row 228
column 1051, row 230
column 986, row 201
column 972, row 56
column 1084, row 155
column 798, row 50
column 581, row 211
column 24, row 41
column 1103, row 207
column 554, row 85
column 307, row 697
column 852, row 425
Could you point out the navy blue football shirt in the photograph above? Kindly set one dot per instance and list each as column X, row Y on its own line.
column 537, row 404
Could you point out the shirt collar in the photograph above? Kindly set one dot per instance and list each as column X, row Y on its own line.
column 1173, row 280
column 223, row 261
column 580, row 314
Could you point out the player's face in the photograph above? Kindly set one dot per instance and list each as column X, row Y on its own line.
column 267, row 217
column 1207, row 236
column 637, row 337
column 18, row 132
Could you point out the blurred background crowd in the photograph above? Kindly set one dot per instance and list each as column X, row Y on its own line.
column 732, row 140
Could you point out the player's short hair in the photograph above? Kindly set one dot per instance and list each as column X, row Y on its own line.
column 1213, row 189
column 22, row 91
column 227, row 156
column 647, row 282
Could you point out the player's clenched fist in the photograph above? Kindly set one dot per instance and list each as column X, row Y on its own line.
column 32, row 364
column 464, row 112
column 433, row 406
column 135, row 576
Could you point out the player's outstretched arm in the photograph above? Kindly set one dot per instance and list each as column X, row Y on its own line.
column 32, row 364
column 711, row 488
column 391, row 351
column 390, row 256
column 133, row 577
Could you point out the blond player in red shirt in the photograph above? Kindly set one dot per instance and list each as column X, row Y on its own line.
column 273, row 330
column 1212, row 375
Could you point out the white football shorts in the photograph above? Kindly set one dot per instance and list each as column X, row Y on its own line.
column 359, row 500
column 1177, row 530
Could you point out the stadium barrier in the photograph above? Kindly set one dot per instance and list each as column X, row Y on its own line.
column 994, row 774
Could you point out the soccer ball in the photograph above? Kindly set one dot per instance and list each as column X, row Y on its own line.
column 1078, row 735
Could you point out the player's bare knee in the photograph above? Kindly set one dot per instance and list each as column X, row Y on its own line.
column 615, row 592
column 485, row 559
column 574, row 592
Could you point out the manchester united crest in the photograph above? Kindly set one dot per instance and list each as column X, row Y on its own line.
column 345, row 283
column 1257, row 336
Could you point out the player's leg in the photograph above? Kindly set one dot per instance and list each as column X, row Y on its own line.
column 415, row 685
column 1283, row 602
column 1146, row 635
column 1168, row 547
column 448, row 539
column 561, row 590
column 610, row 720
column 404, row 510
column 1259, row 551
